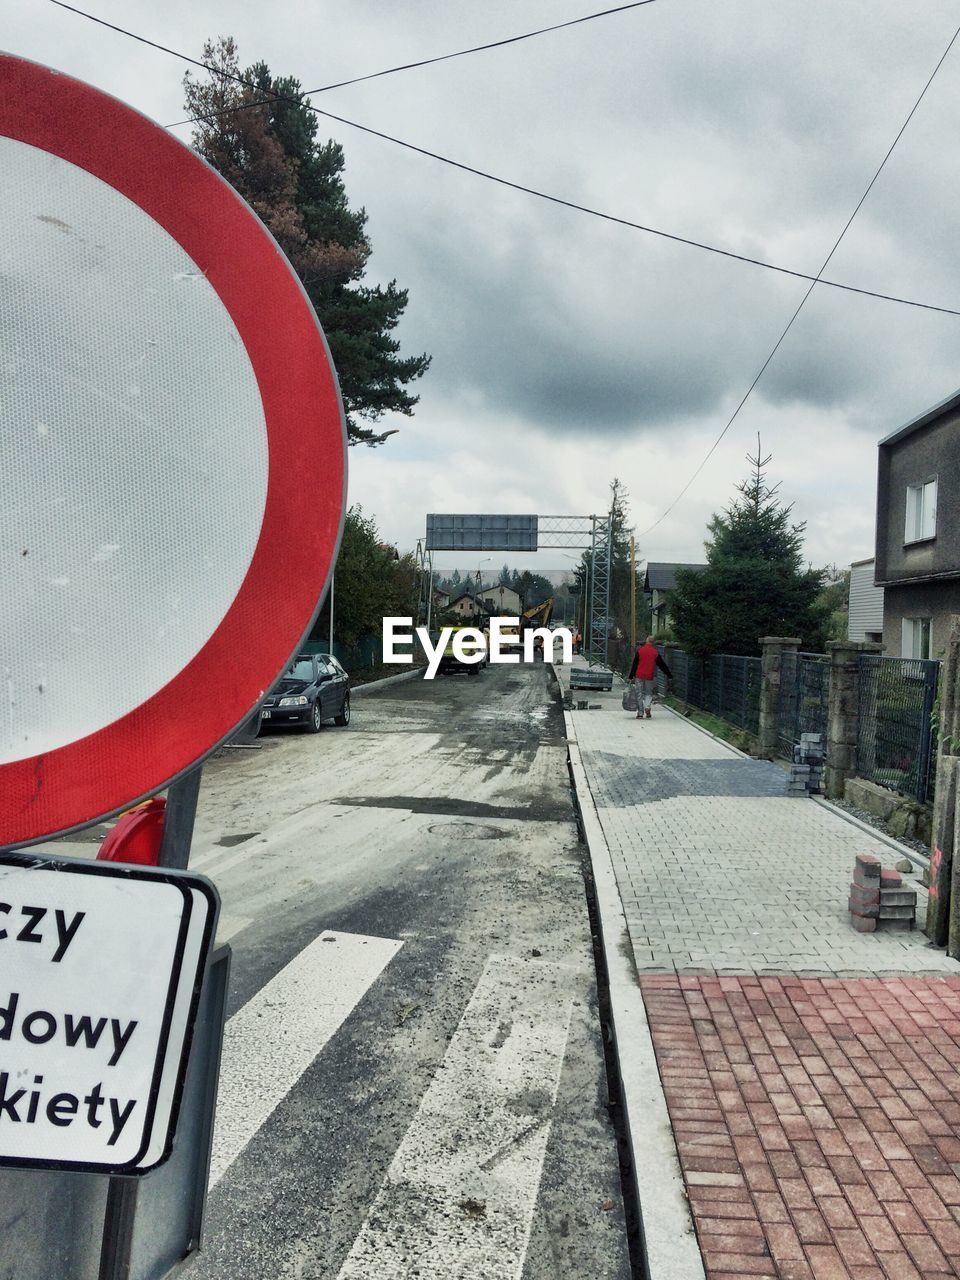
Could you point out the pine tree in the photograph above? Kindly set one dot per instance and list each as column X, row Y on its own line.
column 620, row 532
column 263, row 140
column 754, row 583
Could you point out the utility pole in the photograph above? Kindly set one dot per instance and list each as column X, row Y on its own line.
column 588, row 605
column 332, row 579
column 633, row 595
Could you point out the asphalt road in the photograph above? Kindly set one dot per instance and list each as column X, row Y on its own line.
column 413, row 1080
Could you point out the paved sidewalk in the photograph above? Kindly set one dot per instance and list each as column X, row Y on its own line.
column 814, row 1094
column 816, row 1121
column 719, row 870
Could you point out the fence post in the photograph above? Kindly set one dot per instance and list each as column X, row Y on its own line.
column 927, row 746
column 773, row 649
column 745, row 671
column 942, row 905
column 843, row 713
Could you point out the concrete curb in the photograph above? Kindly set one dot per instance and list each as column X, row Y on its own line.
column 358, row 689
column 700, row 729
column 669, row 1240
column 904, row 850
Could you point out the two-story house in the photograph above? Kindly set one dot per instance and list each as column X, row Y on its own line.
column 659, row 581
column 502, row 601
column 918, row 532
column 466, row 606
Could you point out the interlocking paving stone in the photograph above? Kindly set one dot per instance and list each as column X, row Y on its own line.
column 630, row 781
column 816, row 1121
column 817, row 1117
column 719, row 870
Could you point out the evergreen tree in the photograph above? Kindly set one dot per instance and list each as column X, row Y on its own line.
column 263, row 140
column 621, row 531
column 371, row 584
column 754, row 583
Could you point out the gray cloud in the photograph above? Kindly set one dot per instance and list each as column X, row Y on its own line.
column 752, row 125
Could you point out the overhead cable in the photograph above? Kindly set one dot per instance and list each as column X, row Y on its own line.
column 427, row 62
column 836, row 244
column 517, row 186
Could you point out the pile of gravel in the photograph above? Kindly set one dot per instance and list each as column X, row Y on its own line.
column 878, row 824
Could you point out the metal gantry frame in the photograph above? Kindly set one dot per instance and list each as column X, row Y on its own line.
column 424, row 570
column 591, row 535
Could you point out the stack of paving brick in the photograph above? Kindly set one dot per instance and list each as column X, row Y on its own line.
column 798, row 779
column 811, row 754
column 806, row 771
column 879, row 899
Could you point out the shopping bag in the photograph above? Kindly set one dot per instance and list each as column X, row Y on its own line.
column 629, row 700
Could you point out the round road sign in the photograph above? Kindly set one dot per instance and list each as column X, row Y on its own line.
column 173, row 454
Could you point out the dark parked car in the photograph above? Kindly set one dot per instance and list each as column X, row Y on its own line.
column 314, row 688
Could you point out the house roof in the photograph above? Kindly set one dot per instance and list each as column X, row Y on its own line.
column 925, row 418
column 661, row 575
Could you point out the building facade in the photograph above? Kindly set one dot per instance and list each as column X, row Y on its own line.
column 659, row 581
column 503, row 601
column 918, row 532
column 865, row 603
column 465, row 606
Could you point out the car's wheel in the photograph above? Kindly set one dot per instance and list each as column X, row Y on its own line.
column 344, row 716
column 475, row 669
column 315, row 723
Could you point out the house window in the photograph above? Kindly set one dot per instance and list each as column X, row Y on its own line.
column 921, row 519
column 915, row 638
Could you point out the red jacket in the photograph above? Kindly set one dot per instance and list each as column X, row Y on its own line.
column 645, row 663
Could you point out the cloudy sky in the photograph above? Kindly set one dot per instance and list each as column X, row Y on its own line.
column 568, row 350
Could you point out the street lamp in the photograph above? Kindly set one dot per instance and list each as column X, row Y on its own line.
column 583, row 595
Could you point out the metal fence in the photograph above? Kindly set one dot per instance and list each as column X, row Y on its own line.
column 732, row 689
column 687, row 676
column 727, row 685
column 896, row 742
column 366, row 653
column 803, row 700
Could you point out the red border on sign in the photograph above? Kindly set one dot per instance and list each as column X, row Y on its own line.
column 143, row 750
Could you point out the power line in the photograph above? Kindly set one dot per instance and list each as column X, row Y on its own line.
column 626, row 222
column 102, row 22
column 518, row 186
column 427, row 62
column 836, row 244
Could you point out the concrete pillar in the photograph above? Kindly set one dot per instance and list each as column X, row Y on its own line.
column 943, row 907
column 843, row 713
column 773, row 649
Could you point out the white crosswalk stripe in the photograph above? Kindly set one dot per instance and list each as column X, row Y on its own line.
column 459, row 1196
column 273, row 1039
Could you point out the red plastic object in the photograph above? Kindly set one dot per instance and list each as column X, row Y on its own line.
column 136, row 836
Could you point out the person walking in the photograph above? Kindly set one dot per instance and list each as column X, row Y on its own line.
column 645, row 663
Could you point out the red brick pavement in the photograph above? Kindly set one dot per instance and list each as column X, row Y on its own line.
column 817, row 1121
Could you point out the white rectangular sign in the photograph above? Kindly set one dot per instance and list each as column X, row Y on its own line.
column 100, row 970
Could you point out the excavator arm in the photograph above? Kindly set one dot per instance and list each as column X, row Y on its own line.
column 540, row 615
